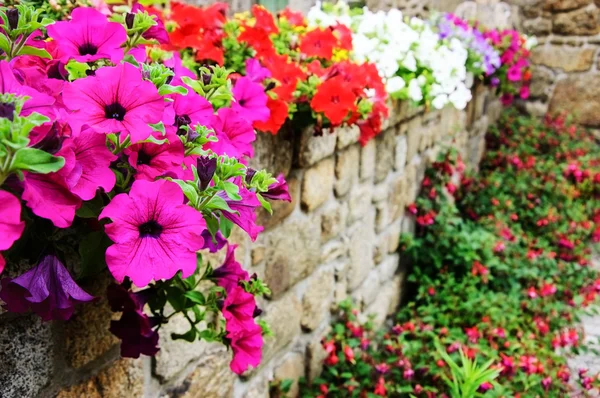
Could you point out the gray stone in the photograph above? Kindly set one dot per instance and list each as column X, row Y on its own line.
column 333, row 220
column 367, row 160
column 317, row 184
column 291, row 368
column 384, row 161
column 27, row 358
column 292, row 252
column 388, row 267
column 366, row 293
column 401, row 153
column 541, row 81
column 346, row 169
column 317, row 299
column 537, row 26
column 361, row 254
column 360, row 202
column 314, row 148
column 283, row 317
column 347, row 136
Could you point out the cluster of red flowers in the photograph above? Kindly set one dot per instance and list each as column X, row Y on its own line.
column 306, row 72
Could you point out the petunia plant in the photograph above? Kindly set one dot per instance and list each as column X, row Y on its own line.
column 115, row 156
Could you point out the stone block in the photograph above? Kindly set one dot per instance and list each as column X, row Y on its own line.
column 388, row 268
column 334, row 249
column 569, row 59
column 291, row 368
column 27, row 359
column 211, row 377
column 124, row 378
column 401, row 153
column 317, row 184
column 317, row 299
column 347, row 136
column 346, row 169
column 397, row 199
column 361, row 254
column 581, row 22
column 384, row 161
column 541, row 82
column 367, row 160
column 273, row 152
column 578, row 94
column 292, row 252
column 537, row 27
column 315, row 355
column 381, row 191
column 360, row 202
column 385, row 303
column 333, row 220
column 382, row 216
column 283, row 317
column 314, row 148
column 413, row 138
column 366, row 293
column 565, row 5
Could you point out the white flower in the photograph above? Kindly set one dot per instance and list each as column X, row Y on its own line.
column 395, row 83
column 414, row 91
column 440, row 101
column 460, row 97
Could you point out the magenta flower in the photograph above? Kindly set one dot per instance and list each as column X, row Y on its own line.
column 250, row 100
column 174, row 63
column 255, row 72
column 116, row 99
column 514, row 73
column 155, row 234
column 11, row 226
column 37, row 101
column 188, row 110
column 524, row 92
column 48, row 197
column 247, row 348
column 278, row 190
column 234, row 133
column 47, row 289
column 211, row 245
column 134, row 328
column 90, row 169
column 88, row 37
column 230, row 272
column 158, row 31
column 238, row 310
column 152, row 160
column 243, row 214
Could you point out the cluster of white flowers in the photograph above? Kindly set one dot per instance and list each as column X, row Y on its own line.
column 409, row 54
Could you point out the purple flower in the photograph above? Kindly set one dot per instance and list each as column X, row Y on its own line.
column 213, row 245
column 158, row 31
column 230, row 272
column 234, row 134
column 255, row 72
column 243, row 214
column 135, row 328
column 250, row 100
column 47, row 289
column 88, row 37
column 278, row 190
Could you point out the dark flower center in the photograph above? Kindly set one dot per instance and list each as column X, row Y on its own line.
column 143, row 158
column 115, row 111
column 7, row 111
column 88, row 49
column 151, row 229
column 242, row 102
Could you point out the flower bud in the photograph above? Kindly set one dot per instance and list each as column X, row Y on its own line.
column 206, row 169
column 129, row 19
column 13, row 18
column 7, row 111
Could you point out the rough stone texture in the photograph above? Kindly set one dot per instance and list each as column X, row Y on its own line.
column 565, row 5
column 367, row 160
column 317, row 184
column 346, row 169
column 292, row 368
column 384, row 161
column 281, row 209
column 583, row 22
column 26, row 358
column 315, row 355
column 292, row 253
column 569, row 59
column 317, row 299
column 312, row 148
column 579, row 95
column 283, row 316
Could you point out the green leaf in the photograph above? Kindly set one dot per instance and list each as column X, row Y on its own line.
column 188, row 336
column 196, row 297
column 92, row 249
column 91, row 208
column 265, row 204
column 167, row 89
column 36, row 160
column 38, row 52
column 4, row 44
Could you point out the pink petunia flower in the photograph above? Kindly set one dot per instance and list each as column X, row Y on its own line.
column 188, row 110
column 158, row 31
column 238, row 310
column 250, row 100
column 514, row 73
column 47, row 289
column 256, row 72
column 247, row 348
column 230, row 272
column 116, row 99
column 174, row 63
column 48, row 197
column 90, row 169
column 37, row 101
column 155, row 234
column 234, row 133
column 243, row 214
column 88, row 37
column 11, row 226
column 278, row 190
column 152, row 160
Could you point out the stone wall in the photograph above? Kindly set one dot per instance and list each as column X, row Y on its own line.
column 566, row 73
column 338, row 238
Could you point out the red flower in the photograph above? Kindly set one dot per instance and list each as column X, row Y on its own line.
column 294, row 18
column 286, row 73
column 344, row 35
column 279, row 114
column 334, row 99
column 264, row 19
column 318, row 42
column 258, row 39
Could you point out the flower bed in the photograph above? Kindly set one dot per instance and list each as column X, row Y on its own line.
column 499, row 269
column 128, row 151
